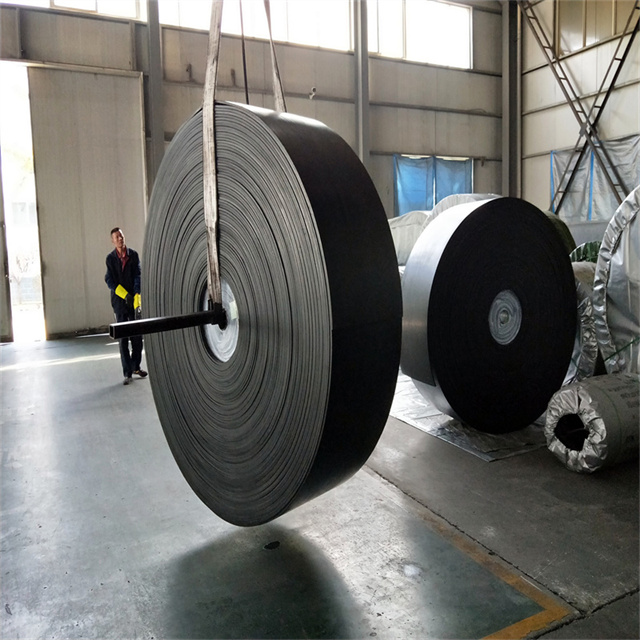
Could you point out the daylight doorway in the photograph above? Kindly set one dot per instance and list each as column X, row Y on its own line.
column 20, row 211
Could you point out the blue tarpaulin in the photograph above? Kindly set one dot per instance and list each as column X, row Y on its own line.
column 422, row 182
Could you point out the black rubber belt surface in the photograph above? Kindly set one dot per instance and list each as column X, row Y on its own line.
column 307, row 259
column 463, row 261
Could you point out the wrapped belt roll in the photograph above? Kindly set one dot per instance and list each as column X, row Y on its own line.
column 616, row 289
column 585, row 350
column 489, row 313
column 594, row 423
column 291, row 397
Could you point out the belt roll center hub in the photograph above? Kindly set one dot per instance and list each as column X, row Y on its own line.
column 505, row 317
column 222, row 339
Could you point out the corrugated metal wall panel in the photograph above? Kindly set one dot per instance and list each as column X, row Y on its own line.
column 487, row 29
column 6, row 331
column 536, row 183
column 9, row 33
column 69, row 39
column 180, row 101
column 396, row 130
column 395, row 82
column 88, row 142
column 532, row 55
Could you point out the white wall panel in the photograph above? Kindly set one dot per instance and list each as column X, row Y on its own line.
column 88, row 143
column 621, row 116
column 536, row 183
column 487, row 177
column 532, row 55
column 301, row 68
column 180, row 102
column 540, row 89
column 423, row 132
column 9, row 33
column 55, row 37
column 184, row 55
column 392, row 81
column 6, row 330
column 487, row 40
column 549, row 130
column 469, row 91
column 459, row 134
column 403, row 131
column 338, row 116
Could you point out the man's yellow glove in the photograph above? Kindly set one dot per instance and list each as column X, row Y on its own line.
column 121, row 292
column 136, row 301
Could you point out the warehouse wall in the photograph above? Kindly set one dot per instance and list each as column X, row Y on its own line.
column 415, row 108
column 547, row 121
column 425, row 110
column 88, row 147
column 6, row 331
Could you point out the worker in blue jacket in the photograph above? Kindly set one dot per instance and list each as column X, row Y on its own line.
column 123, row 278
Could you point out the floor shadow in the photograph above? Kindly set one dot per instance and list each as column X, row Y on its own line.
column 264, row 582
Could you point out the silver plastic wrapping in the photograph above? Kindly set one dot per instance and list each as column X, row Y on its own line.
column 460, row 198
column 405, row 231
column 594, row 423
column 616, row 290
column 585, row 350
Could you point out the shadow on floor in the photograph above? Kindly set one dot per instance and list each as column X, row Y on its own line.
column 264, row 582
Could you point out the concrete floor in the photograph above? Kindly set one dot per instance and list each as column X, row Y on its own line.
column 101, row 537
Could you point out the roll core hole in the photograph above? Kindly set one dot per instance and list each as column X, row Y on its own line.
column 505, row 317
column 222, row 340
column 571, row 431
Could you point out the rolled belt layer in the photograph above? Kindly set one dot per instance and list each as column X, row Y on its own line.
column 291, row 397
column 489, row 313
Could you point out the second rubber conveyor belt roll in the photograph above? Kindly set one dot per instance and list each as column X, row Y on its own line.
column 489, row 313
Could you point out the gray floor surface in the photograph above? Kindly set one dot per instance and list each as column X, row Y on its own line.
column 101, row 537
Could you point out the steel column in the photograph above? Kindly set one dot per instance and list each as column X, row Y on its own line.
column 510, row 100
column 361, row 50
column 154, row 96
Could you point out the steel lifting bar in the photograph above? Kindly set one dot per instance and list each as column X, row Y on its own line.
column 587, row 125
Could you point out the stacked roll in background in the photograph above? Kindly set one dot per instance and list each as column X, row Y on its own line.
column 616, row 289
column 585, row 350
column 290, row 399
column 489, row 313
column 594, row 423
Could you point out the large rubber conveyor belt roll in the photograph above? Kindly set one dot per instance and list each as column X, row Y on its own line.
column 290, row 398
column 489, row 313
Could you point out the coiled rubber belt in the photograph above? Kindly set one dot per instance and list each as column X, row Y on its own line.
column 291, row 397
column 594, row 423
column 489, row 313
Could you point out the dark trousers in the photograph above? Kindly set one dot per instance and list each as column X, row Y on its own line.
column 130, row 359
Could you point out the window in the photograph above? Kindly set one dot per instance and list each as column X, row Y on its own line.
column 136, row 9
column 318, row 23
column 422, row 181
column 421, row 30
column 581, row 23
